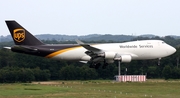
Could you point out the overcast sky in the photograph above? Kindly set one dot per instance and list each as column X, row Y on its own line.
column 83, row 17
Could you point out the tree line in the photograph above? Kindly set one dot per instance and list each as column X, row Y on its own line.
column 15, row 67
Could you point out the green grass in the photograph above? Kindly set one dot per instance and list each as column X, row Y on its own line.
column 93, row 89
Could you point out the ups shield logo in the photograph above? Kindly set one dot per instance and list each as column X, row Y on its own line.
column 19, row 35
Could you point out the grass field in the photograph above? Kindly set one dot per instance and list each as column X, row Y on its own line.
column 92, row 89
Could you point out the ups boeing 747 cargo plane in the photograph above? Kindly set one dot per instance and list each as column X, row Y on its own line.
column 94, row 54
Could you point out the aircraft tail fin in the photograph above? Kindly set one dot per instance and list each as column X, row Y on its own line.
column 20, row 35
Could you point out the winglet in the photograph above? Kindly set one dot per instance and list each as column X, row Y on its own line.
column 79, row 42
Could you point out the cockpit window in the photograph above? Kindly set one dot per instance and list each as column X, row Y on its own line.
column 163, row 42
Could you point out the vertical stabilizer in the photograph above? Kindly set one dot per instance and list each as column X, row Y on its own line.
column 20, row 35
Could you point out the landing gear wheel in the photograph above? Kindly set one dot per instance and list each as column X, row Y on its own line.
column 97, row 65
column 92, row 65
column 105, row 65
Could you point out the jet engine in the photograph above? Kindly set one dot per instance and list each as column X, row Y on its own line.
column 110, row 57
column 126, row 58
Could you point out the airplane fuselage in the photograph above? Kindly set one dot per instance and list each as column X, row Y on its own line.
column 147, row 49
column 138, row 50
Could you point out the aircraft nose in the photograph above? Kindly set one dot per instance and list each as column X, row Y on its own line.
column 174, row 50
column 171, row 50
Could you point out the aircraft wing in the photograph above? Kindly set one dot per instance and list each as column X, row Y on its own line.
column 95, row 53
column 89, row 47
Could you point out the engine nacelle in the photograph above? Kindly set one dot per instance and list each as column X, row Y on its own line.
column 112, row 56
column 109, row 56
column 126, row 58
column 123, row 58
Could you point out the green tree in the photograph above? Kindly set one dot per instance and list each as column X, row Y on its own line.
column 167, row 72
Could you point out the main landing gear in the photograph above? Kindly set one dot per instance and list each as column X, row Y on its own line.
column 97, row 65
column 105, row 64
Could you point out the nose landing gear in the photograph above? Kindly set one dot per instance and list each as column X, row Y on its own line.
column 159, row 61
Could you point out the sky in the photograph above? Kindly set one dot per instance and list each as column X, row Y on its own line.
column 84, row 17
